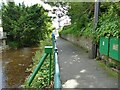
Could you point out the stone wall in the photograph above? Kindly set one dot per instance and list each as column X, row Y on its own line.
column 81, row 41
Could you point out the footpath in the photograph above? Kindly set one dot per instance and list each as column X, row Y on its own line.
column 78, row 71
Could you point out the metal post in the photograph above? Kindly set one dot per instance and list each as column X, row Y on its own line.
column 37, row 69
column 94, row 45
column 96, row 13
column 53, row 39
column 50, row 69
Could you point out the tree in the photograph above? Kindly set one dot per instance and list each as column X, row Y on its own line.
column 25, row 25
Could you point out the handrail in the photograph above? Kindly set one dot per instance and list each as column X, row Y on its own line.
column 48, row 50
column 37, row 68
column 57, row 82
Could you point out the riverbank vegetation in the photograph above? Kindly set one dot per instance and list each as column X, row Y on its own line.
column 82, row 18
column 42, row 78
column 25, row 25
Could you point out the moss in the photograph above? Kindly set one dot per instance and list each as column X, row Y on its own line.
column 111, row 72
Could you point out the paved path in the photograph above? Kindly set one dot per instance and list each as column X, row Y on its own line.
column 78, row 71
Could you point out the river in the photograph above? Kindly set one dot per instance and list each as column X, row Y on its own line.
column 14, row 65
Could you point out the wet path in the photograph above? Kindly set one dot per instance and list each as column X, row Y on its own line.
column 15, row 63
column 78, row 71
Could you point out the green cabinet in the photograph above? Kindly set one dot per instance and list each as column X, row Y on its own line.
column 110, row 47
column 114, row 50
column 104, row 45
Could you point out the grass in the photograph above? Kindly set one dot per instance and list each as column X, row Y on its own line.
column 111, row 72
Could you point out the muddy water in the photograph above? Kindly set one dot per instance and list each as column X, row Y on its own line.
column 15, row 63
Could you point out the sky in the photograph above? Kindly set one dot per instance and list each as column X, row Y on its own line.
column 32, row 2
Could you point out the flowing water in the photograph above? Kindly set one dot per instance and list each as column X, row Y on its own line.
column 14, row 65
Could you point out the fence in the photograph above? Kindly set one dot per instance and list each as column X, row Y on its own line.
column 48, row 50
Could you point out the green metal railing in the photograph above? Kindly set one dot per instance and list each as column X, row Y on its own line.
column 57, row 82
column 37, row 69
column 48, row 51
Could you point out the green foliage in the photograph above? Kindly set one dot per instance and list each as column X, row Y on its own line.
column 42, row 77
column 25, row 25
column 13, row 44
column 46, row 42
column 82, row 20
column 81, row 16
column 80, row 13
column 69, row 30
column 109, row 23
column 108, row 70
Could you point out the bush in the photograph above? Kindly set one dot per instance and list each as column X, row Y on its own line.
column 42, row 78
column 28, row 25
column 14, row 44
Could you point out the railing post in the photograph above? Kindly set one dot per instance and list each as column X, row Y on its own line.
column 48, row 50
column 50, row 69
column 37, row 69
column 53, row 39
